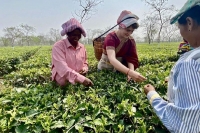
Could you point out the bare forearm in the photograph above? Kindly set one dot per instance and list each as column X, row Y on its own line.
column 131, row 66
column 116, row 64
column 119, row 66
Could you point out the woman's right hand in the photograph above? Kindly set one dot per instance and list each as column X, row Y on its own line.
column 148, row 88
column 136, row 76
column 87, row 82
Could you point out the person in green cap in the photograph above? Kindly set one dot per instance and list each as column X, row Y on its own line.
column 181, row 113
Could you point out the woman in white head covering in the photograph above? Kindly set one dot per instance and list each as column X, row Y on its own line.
column 119, row 51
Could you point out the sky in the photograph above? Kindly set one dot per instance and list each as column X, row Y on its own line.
column 46, row 14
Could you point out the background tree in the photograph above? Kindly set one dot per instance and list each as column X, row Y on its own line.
column 43, row 40
column 27, row 32
column 91, row 34
column 88, row 37
column 54, row 35
column 87, row 9
column 5, row 41
column 169, row 32
column 12, row 34
column 162, row 11
column 150, row 28
column 176, row 37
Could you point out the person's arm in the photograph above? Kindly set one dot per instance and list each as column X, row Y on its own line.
column 117, row 64
column 120, row 67
column 131, row 66
column 110, row 49
column 184, row 114
column 60, row 64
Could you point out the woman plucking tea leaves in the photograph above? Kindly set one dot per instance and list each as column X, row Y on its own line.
column 119, row 52
column 69, row 57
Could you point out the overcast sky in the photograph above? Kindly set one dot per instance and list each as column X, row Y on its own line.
column 46, row 14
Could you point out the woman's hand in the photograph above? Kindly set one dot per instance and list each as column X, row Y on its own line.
column 148, row 88
column 87, row 82
column 128, row 78
column 136, row 76
column 83, row 71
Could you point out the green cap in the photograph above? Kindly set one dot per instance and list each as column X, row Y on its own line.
column 188, row 5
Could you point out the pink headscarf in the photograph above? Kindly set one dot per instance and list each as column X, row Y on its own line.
column 71, row 25
column 126, row 23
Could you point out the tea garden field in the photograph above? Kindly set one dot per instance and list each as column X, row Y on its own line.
column 31, row 103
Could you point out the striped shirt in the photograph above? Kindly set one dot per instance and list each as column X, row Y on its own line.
column 182, row 113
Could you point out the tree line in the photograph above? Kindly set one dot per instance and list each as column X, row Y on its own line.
column 155, row 26
column 24, row 35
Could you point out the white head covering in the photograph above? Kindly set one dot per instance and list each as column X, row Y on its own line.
column 127, row 18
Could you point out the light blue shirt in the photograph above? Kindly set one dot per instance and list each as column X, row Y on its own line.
column 182, row 113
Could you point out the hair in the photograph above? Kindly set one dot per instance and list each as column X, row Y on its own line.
column 193, row 13
column 134, row 26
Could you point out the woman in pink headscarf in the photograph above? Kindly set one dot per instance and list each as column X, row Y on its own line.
column 120, row 47
column 69, row 57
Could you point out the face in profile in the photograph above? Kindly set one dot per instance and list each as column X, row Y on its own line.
column 74, row 36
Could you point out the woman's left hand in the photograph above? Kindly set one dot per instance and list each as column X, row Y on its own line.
column 148, row 88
